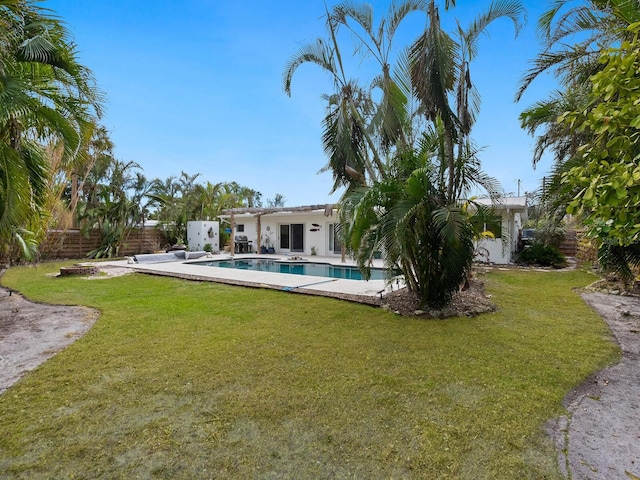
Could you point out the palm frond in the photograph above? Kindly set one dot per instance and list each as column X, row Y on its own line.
column 318, row 53
column 621, row 259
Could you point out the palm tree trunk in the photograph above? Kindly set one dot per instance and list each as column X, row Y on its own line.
column 449, row 145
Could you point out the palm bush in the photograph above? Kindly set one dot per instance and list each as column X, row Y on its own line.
column 408, row 218
column 623, row 260
column 542, row 255
column 404, row 155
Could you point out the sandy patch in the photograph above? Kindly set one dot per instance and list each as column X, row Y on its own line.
column 30, row 333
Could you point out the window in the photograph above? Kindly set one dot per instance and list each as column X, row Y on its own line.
column 335, row 246
column 240, row 227
column 492, row 224
column 495, row 228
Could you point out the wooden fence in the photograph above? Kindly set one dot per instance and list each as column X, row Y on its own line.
column 73, row 244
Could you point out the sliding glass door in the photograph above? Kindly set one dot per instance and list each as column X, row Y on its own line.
column 292, row 237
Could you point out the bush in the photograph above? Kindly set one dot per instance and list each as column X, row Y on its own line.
column 542, row 255
column 207, row 247
column 551, row 235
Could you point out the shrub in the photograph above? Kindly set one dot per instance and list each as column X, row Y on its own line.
column 207, row 247
column 551, row 235
column 543, row 255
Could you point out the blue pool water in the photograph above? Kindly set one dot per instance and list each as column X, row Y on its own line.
column 301, row 268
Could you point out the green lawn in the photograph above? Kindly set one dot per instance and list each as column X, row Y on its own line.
column 179, row 379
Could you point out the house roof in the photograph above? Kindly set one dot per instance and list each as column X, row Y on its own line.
column 327, row 209
column 514, row 203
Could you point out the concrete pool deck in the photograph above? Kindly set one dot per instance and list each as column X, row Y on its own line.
column 282, row 281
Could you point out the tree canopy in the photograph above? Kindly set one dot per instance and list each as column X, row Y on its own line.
column 405, row 155
column 45, row 95
column 607, row 174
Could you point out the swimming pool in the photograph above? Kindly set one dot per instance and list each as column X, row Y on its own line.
column 295, row 268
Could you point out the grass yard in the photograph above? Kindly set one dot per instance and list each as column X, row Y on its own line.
column 182, row 380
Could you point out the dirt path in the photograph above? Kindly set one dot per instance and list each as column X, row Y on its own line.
column 600, row 438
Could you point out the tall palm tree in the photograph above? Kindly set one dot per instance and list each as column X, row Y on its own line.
column 440, row 66
column 44, row 93
column 468, row 39
column 389, row 119
column 407, row 205
column 353, row 158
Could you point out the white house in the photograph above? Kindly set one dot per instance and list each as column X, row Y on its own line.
column 502, row 248
column 309, row 230
column 305, row 230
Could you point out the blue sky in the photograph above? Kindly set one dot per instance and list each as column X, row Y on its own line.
column 196, row 86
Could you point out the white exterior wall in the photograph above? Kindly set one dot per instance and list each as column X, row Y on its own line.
column 493, row 247
column 270, row 228
column 201, row 233
column 490, row 250
column 250, row 229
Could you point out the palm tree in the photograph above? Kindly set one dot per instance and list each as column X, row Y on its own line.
column 573, row 36
column 208, row 196
column 594, row 23
column 409, row 204
column 353, row 158
column 389, row 119
column 115, row 205
column 407, row 216
column 44, row 94
column 440, row 66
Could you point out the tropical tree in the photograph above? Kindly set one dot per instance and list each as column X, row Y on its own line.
column 389, row 121
column 277, row 201
column 606, row 175
column 208, row 196
column 45, row 94
column 577, row 39
column 348, row 142
column 114, row 205
column 408, row 205
column 408, row 217
column 573, row 34
column 177, row 200
column 440, row 69
column 180, row 200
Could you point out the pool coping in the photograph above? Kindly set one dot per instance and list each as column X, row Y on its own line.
column 369, row 292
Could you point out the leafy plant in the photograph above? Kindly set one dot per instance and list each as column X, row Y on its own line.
column 551, row 235
column 542, row 255
column 405, row 154
column 208, row 247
